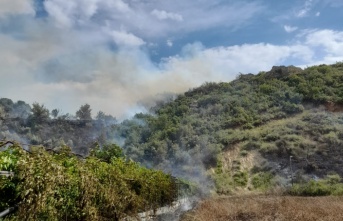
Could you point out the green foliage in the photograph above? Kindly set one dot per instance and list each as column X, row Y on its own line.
column 319, row 83
column 240, row 178
column 266, row 113
column 54, row 113
column 8, row 162
column 262, row 180
column 40, row 114
column 223, row 183
column 329, row 186
column 84, row 113
column 187, row 188
column 218, row 116
column 62, row 187
column 108, row 152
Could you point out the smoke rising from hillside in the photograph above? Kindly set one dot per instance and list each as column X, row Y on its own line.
column 65, row 54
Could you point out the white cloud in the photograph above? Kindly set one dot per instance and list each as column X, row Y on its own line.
column 73, row 64
column 12, row 7
column 169, row 43
column 329, row 40
column 334, row 3
column 69, row 13
column 289, row 28
column 123, row 38
column 305, row 9
column 61, row 12
column 145, row 20
column 65, row 60
column 162, row 15
column 86, row 72
column 317, row 14
column 224, row 63
column 302, row 13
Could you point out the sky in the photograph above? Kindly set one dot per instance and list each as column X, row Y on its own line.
column 119, row 55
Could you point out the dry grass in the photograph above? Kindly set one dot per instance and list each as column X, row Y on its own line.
column 268, row 208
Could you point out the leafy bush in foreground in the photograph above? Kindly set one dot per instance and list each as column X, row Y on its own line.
column 60, row 186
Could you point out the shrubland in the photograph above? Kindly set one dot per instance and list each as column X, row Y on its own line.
column 249, row 132
column 60, row 186
column 279, row 130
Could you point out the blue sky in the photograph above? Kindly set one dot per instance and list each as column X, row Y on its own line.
column 117, row 54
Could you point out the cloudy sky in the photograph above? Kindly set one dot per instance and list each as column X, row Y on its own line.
column 114, row 54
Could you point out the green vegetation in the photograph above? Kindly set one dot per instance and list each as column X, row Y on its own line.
column 245, row 134
column 262, row 180
column 329, row 186
column 277, row 114
column 59, row 186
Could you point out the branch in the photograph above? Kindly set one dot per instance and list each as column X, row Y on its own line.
column 4, row 143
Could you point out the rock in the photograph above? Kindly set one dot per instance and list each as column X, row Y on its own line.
column 282, row 71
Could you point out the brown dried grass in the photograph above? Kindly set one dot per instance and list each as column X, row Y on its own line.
column 267, row 208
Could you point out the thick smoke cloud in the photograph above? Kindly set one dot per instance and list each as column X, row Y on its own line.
column 11, row 7
column 89, row 51
column 98, row 51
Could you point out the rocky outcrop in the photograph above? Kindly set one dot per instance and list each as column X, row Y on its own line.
column 282, row 71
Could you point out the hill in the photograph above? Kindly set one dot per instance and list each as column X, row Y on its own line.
column 255, row 133
column 258, row 131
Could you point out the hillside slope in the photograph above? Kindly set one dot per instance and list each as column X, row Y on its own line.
column 246, row 134
column 254, row 133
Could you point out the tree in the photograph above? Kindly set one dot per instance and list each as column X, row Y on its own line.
column 7, row 104
column 105, row 119
column 84, row 113
column 21, row 110
column 55, row 113
column 101, row 115
column 39, row 113
column 108, row 152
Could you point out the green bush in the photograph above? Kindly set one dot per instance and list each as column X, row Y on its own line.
column 329, row 186
column 312, row 188
column 240, row 178
column 108, row 152
column 223, row 183
column 262, row 180
column 8, row 161
column 49, row 186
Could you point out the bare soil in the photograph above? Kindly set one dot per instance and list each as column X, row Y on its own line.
column 267, row 208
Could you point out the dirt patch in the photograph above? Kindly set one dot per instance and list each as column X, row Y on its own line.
column 267, row 208
column 246, row 162
column 333, row 107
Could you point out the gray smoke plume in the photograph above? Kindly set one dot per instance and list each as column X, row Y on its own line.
column 64, row 54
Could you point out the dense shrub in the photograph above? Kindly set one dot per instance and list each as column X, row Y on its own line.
column 50, row 186
column 262, row 180
column 240, row 178
column 329, row 186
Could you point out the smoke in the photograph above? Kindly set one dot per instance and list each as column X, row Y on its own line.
column 137, row 137
column 65, row 54
column 66, row 74
column 9, row 7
